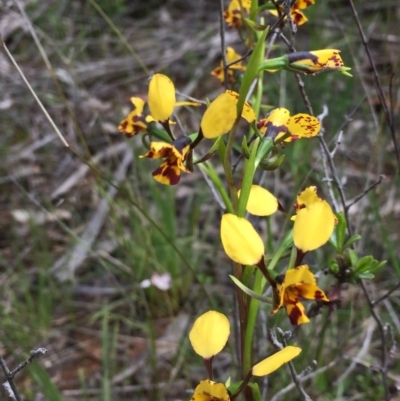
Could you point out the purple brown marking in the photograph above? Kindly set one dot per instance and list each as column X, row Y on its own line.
column 295, row 315
column 298, row 56
column 168, row 172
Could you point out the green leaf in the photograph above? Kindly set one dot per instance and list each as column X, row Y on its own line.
column 234, row 386
column 353, row 257
column 351, row 241
column 256, row 391
column 253, row 25
column 251, row 70
column 263, row 150
column 340, row 232
column 365, row 275
column 364, row 264
column 378, row 267
column 249, row 170
column 250, row 292
column 42, row 379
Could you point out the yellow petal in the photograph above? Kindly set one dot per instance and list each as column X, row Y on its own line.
column 275, row 361
column 308, row 196
column 139, row 104
column 209, row 334
column 310, row 291
column 232, row 56
column 303, row 126
column 220, row 116
column 313, row 225
column 261, row 202
column 161, row 97
column 298, row 275
column 317, row 60
column 240, row 240
column 302, row 4
column 208, row 390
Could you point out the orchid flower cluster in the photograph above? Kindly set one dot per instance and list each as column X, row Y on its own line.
column 312, row 220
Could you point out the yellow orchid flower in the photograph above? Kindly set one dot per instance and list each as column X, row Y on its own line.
column 136, row 121
column 220, row 115
column 175, row 153
column 296, row 15
column 298, row 283
column 280, row 123
column 314, row 221
column 231, row 56
column 233, row 14
column 207, row 390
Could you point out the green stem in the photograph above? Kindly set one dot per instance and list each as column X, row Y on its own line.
column 285, row 244
column 277, row 63
column 228, row 168
column 292, row 260
column 247, row 182
column 251, row 322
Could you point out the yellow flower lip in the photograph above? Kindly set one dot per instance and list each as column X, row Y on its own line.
column 220, row 116
column 298, row 283
column 279, row 123
column 175, row 153
column 296, row 15
column 161, row 97
column 275, row 361
column 231, row 56
column 314, row 221
column 207, row 390
column 233, row 14
column 209, row 334
column 240, row 240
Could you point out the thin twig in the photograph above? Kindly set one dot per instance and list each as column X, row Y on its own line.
column 375, row 315
column 311, row 375
column 295, row 377
column 60, row 135
column 363, row 193
column 223, row 45
column 10, row 375
column 379, row 89
column 383, row 297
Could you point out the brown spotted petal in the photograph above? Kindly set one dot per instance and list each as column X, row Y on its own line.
column 303, row 126
column 317, row 61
